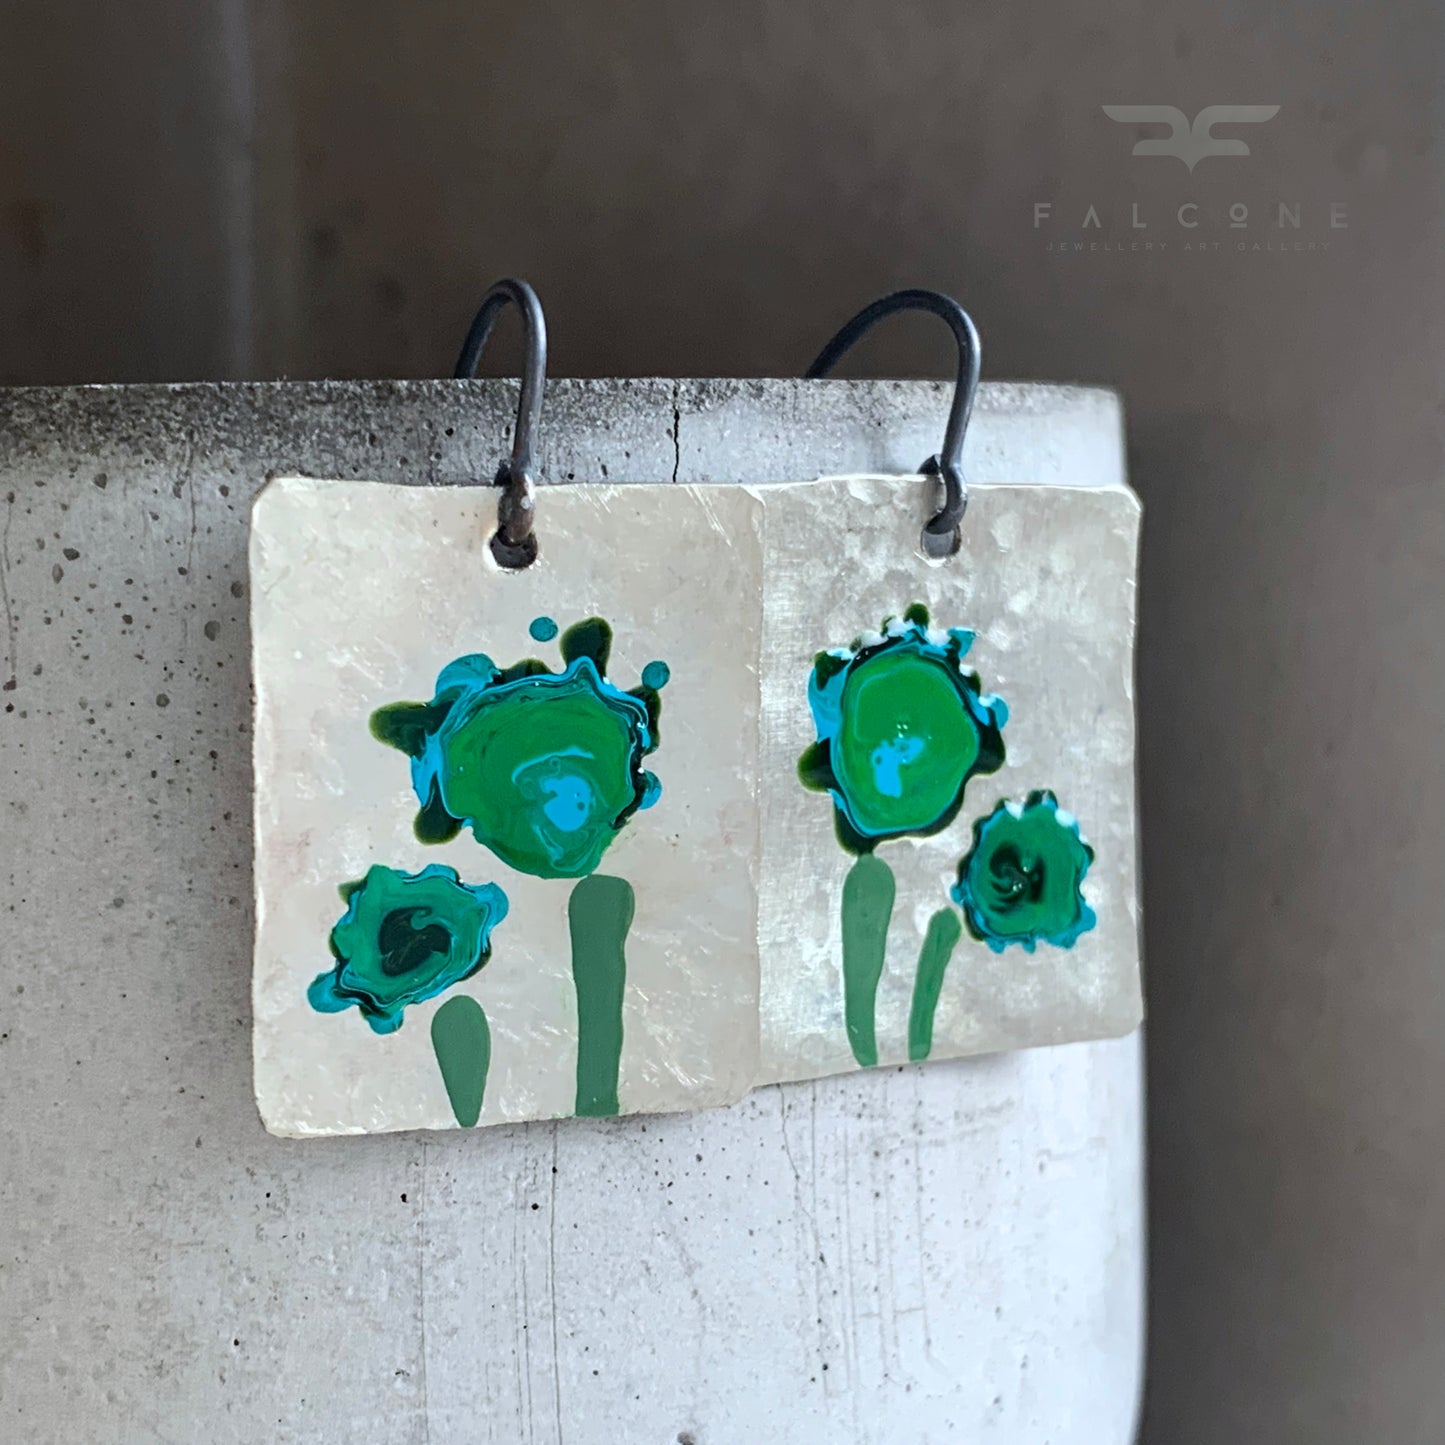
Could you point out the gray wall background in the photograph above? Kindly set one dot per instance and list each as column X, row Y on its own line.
column 325, row 188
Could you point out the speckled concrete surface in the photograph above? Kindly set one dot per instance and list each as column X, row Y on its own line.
column 937, row 1254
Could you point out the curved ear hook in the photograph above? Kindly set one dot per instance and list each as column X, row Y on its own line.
column 514, row 544
column 941, row 533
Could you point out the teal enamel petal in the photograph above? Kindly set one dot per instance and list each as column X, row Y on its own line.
column 405, row 937
column 1021, row 882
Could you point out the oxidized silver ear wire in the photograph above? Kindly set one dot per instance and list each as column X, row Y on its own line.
column 941, row 531
column 514, row 543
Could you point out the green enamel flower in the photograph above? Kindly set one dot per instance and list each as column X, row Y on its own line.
column 1021, row 880
column 545, row 768
column 406, row 937
column 902, row 726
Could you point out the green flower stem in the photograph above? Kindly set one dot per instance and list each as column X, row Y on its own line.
column 867, row 908
column 463, row 1045
column 944, row 931
column 599, row 913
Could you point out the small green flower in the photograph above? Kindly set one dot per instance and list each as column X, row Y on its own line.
column 902, row 726
column 1021, row 880
column 545, row 768
column 406, row 937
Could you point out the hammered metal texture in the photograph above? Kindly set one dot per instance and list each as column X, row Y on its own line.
column 361, row 594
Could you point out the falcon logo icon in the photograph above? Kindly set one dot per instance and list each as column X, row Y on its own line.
column 1190, row 142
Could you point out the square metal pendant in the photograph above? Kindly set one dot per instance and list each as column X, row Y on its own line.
column 958, row 873
column 506, row 821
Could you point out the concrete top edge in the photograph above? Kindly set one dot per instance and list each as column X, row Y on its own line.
column 1017, row 397
column 636, row 429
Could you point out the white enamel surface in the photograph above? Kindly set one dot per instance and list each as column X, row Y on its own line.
column 1045, row 577
column 362, row 593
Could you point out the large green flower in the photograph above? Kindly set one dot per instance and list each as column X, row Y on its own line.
column 1021, row 880
column 543, row 767
column 406, row 937
column 902, row 726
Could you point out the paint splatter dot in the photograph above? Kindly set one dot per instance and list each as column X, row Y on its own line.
column 656, row 674
column 543, row 629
